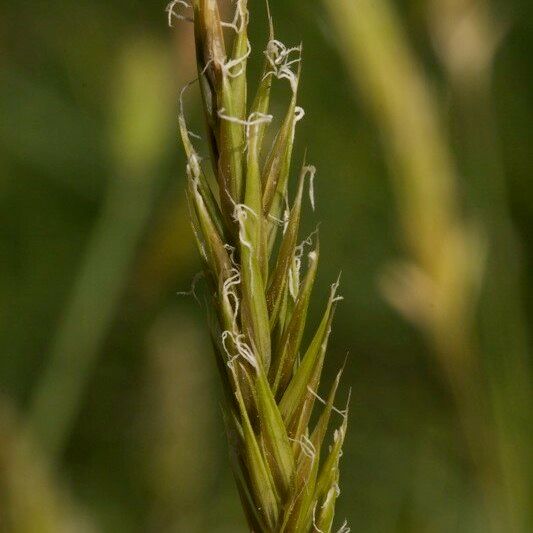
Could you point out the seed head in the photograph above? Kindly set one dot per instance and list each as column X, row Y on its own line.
column 259, row 298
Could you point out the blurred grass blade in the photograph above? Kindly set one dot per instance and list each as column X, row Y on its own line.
column 138, row 140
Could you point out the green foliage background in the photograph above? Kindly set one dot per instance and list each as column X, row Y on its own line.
column 106, row 374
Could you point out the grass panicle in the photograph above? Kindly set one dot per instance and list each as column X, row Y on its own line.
column 247, row 233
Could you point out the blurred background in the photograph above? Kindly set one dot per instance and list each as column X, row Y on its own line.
column 418, row 118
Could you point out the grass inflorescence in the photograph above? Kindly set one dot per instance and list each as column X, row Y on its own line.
column 260, row 281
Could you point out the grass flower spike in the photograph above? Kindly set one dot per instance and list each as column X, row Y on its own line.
column 246, row 228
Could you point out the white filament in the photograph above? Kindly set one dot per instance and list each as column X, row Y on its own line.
column 315, row 527
column 333, row 294
column 229, row 65
column 192, row 291
column 240, row 13
column 308, row 447
column 170, row 10
column 279, row 58
column 294, row 273
column 343, row 413
column 312, row 174
column 344, row 528
column 243, row 350
column 231, row 250
column 255, row 119
column 230, row 294
column 299, row 113
column 240, row 215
